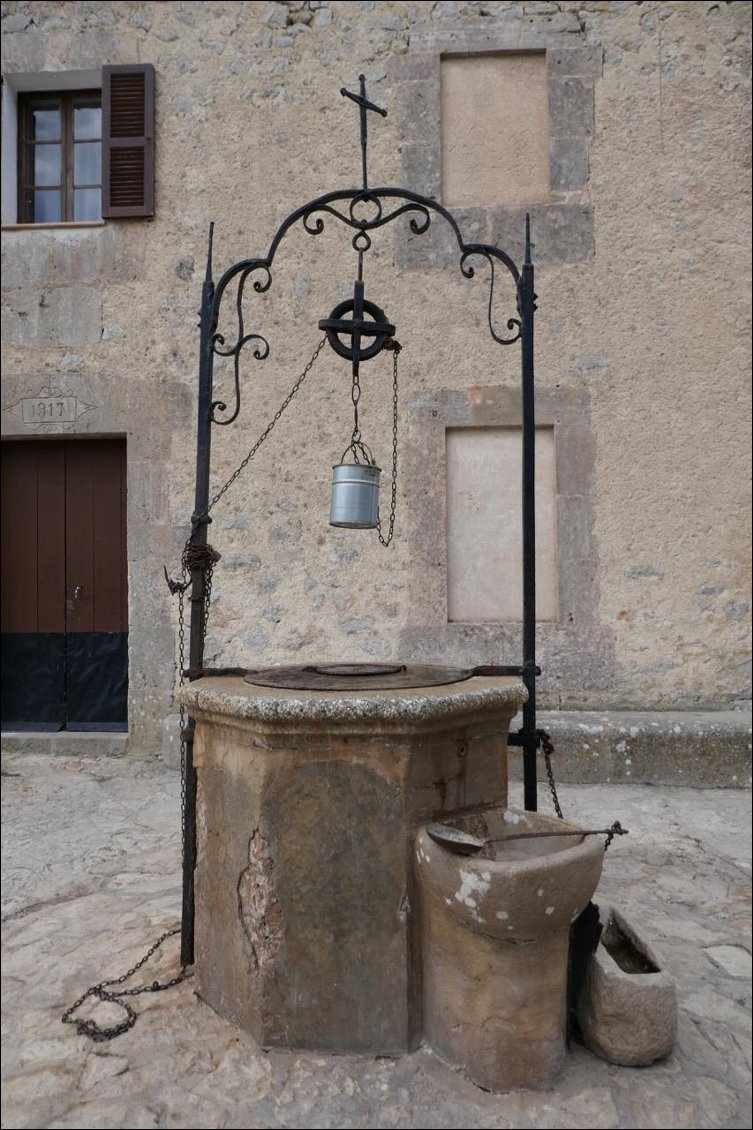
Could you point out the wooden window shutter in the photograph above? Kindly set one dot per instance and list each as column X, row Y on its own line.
column 128, row 140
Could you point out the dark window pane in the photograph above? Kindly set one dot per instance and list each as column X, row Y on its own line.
column 61, row 165
column 87, row 204
column 46, row 208
column 87, row 123
column 47, row 164
column 87, row 163
column 44, row 122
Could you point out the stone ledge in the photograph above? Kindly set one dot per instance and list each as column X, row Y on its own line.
column 65, row 743
column 697, row 749
column 233, row 702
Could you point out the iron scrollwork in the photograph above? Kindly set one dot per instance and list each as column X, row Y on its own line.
column 313, row 222
column 468, row 271
column 362, row 211
column 260, row 352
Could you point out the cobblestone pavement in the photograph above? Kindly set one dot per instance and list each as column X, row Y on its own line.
column 91, row 876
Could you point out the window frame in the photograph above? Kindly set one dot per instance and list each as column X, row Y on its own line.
column 67, row 98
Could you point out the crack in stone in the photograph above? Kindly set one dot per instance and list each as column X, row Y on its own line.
column 258, row 906
column 58, row 900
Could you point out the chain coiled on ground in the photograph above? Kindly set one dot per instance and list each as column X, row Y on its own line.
column 103, row 992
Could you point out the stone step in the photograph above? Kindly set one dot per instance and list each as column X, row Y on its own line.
column 699, row 749
column 66, row 743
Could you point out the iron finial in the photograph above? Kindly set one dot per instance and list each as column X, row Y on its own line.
column 360, row 99
column 363, row 103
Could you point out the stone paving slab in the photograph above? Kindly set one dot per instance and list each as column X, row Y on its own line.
column 91, row 876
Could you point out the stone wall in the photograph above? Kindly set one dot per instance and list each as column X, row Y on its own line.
column 642, row 246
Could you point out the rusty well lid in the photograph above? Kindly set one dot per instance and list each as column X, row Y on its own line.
column 358, row 676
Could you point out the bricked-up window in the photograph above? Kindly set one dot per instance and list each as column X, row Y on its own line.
column 128, row 140
column 61, row 157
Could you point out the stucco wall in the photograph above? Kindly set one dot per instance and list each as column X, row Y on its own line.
column 643, row 284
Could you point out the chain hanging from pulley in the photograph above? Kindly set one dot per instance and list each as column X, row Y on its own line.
column 354, row 503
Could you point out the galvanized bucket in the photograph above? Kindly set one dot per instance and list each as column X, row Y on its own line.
column 355, row 496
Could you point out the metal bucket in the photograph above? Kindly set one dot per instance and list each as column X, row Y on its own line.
column 355, row 496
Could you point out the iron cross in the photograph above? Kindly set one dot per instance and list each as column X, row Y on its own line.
column 364, row 104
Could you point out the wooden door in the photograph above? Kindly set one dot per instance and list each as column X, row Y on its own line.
column 64, row 585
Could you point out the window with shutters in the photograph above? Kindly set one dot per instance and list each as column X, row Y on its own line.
column 82, row 155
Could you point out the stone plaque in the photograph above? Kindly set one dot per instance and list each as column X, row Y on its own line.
column 495, row 129
column 52, row 410
column 48, row 409
column 484, row 525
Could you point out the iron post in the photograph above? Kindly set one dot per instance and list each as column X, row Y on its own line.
column 529, row 736
column 199, row 522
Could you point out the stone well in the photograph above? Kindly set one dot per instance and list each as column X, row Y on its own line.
column 308, row 805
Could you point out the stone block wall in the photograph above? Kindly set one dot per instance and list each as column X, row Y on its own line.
column 641, row 240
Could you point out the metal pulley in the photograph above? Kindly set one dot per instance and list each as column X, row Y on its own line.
column 366, row 320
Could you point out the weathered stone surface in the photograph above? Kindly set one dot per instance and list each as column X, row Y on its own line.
column 703, row 749
column 618, row 318
column 582, row 647
column 485, row 464
column 494, row 129
column 171, row 741
column 234, row 703
column 495, row 941
column 568, row 165
column 560, row 232
column 104, row 834
column 573, row 60
column 308, row 801
column 65, row 743
column 627, row 1012
column 70, row 316
column 732, row 959
column 571, row 108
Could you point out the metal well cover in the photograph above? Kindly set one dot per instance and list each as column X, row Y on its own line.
column 358, row 676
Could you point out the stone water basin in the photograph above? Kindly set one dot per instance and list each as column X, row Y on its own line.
column 495, row 942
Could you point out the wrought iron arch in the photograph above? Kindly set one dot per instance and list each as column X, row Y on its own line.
column 419, row 208
column 216, row 341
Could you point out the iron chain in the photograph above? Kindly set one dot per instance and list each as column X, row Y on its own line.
column 182, row 711
column 194, row 557
column 269, row 428
column 547, row 748
column 385, row 541
column 615, row 830
column 204, row 558
column 103, row 992
column 355, row 396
